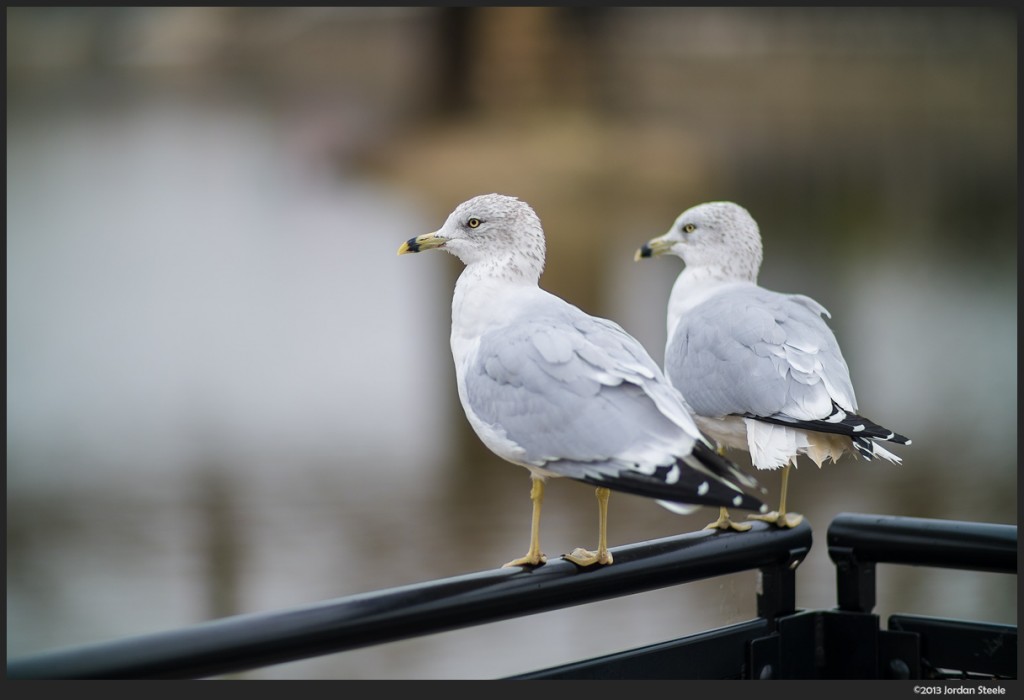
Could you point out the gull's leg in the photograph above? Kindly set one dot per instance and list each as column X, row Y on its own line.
column 534, row 557
column 583, row 557
column 787, row 519
column 780, row 517
column 726, row 523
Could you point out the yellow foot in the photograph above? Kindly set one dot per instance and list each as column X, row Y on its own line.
column 583, row 557
column 724, row 522
column 529, row 560
column 779, row 519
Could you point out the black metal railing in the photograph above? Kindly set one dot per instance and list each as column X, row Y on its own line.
column 261, row 639
column 914, row 646
column 781, row 642
column 848, row 642
column 857, row 542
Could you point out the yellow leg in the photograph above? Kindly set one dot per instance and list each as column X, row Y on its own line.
column 583, row 557
column 780, row 517
column 785, row 487
column 724, row 522
column 534, row 557
column 787, row 519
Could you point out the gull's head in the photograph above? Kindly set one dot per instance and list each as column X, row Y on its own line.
column 719, row 235
column 499, row 233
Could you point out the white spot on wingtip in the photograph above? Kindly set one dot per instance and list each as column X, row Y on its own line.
column 908, row 442
column 703, row 488
column 858, row 428
column 737, row 501
column 763, row 509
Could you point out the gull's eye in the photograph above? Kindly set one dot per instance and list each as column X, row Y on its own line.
column 689, row 228
column 473, row 223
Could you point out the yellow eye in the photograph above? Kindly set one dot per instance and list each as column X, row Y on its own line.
column 473, row 223
column 689, row 228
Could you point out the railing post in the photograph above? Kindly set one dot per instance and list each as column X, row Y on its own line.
column 766, row 659
column 776, row 586
column 855, row 580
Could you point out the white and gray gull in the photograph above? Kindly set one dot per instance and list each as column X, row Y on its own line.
column 562, row 393
column 761, row 370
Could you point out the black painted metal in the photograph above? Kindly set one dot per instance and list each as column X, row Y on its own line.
column 899, row 655
column 959, row 648
column 856, row 542
column 780, row 643
column 832, row 645
column 793, row 651
column 261, row 639
column 776, row 588
column 708, row 655
column 841, row 644
column 851, row 645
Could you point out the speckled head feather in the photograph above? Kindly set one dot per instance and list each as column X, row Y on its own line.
column 719, row 235
column 499, row 232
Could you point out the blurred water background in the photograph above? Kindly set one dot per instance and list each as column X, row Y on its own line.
column 226, row 394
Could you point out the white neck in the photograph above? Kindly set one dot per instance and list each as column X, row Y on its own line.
column 694, row 286
column 476, row 307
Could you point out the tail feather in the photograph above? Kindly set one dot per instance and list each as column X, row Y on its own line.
column 869, row 449
column 840, row 422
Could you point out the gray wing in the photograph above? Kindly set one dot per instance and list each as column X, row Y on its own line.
column 759, row 353
column 583, row 399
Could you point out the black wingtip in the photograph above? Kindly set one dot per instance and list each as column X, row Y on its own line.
column 679, row 483
column 725, row 468
column 865, row 448
column 851, row 424
column 899, row 439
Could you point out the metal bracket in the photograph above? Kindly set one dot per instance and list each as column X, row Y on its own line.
column 776, row 586
column 833, row 644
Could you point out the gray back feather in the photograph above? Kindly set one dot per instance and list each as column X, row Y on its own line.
column 572, row 390
column 755, row 351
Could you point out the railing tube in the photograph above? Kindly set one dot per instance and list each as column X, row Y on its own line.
column 856, row 542
column 261, row 639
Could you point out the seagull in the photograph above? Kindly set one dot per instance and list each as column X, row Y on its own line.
column 761, row 370
column 564, row 394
